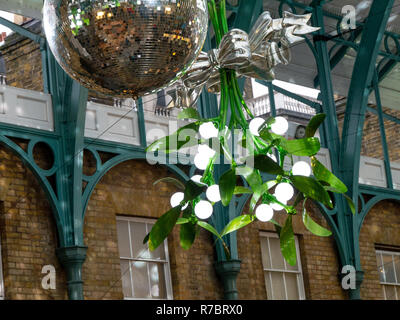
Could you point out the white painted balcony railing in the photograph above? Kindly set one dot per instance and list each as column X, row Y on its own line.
column 261, row 105
column 33, row 109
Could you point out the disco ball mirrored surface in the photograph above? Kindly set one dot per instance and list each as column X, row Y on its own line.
column 125, row 48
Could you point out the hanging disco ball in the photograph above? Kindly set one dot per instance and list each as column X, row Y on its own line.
column 125, row 48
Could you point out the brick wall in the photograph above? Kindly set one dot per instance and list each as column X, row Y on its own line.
column 27, row 230
column 372, row 143
column 29, row 240
column 23, row 64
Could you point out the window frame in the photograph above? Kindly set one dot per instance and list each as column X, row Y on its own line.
column 385, row 284
column 166, row 263
column 300, row 277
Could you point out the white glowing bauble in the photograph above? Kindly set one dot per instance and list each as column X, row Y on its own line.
column 206, row 150
column 176, row 200
column 203, row 209
column 280, row 126
column 213, row 194
column 301, row 168
column 264, row 212
column 255, row 125
column 208, row 130
column 277, row 206
column 197, row 178
column 201, row 161
column 284, row 192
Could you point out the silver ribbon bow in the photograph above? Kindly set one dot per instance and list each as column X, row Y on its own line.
column 251, row 55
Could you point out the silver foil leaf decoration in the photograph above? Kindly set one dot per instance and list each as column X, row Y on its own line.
column 251, row 55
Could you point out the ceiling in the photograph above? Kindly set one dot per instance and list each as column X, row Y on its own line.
column 302, row 70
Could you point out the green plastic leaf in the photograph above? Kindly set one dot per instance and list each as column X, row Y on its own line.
column 351, row 203
column 266, row 164
column 269, row 184
column 314, row 124
column 242, row 190
column 298, row 147
column 209, row 228
column 227, row 184
column 189, row 113
column 163, row 227
column 301, row 147
column 254, row 179
column 314, row 227
column 174, row 181
column 182, row 221
column 299, row 198
column 278, row 227
column 312, row 189
column 252, row 176
column 287, row 242
column 187, row 235
column 171, row 143
column 237, row 223
column 192, row 190
column 323, row 174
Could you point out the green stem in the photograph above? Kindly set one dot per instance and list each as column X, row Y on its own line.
column 241, row 99
column 221, row 12
column 224, row 100
column 235, row 104
column 212, row 9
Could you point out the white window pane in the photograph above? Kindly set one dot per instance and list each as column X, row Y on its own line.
column 157, row 281
column 380, row 267
column 268, row 285
column 265, row 253
column 123, row 238
column 159, row 253
column 398, row 292
column 390, row 292
column 144, row 279
column 126, row 279
column 384, row 292
column 140, row 279
column 276, row 255
column 278, row 287
column 397, row 267
column 389, row 268
column 292, row 288
column 138, row 233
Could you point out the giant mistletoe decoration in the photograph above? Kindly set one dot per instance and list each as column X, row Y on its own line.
column 263, row 146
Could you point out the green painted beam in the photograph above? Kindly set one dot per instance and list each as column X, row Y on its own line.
column 21, row 30
column 385, row 115
column 339, row 55
column 359, row 91
column 388, row 171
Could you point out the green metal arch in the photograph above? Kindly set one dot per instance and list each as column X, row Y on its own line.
column 370, row 204
column 105, row 168
column 38, row 173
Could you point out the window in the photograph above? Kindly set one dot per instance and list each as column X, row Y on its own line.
column 282, row 281
column 389, row 273
column 1, row 277
column 145, row 274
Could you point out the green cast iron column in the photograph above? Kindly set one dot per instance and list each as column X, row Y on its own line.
column 69, row 106
column 357, row 100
